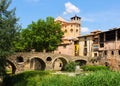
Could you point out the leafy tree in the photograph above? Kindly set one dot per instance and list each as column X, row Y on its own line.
column 8, row 32
column 40, row 35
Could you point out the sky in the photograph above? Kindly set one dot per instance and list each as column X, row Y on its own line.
column 95, row 14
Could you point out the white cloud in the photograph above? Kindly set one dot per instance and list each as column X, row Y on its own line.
column 84, row 29
column 70, row 8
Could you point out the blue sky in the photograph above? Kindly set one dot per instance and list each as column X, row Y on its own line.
column 96, row 14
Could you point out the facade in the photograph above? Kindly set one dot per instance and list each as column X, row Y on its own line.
column 96, row 44
column 89, row 45
column 71, row 31
column 110, row 43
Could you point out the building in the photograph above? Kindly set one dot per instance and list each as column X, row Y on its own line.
column 89, row 44
column 72, row 30
column 110, row 43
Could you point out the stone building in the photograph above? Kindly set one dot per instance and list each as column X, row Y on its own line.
column 89, row 44
column 109, row 49
column 71, row 31
column 110, row 43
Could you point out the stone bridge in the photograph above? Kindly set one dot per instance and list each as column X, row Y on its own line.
column 23, row 61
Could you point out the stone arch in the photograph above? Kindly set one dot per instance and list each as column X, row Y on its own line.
column 12, row 66
column 19, row 59
column 59, row 63
column 37, row 63
column 81, row 62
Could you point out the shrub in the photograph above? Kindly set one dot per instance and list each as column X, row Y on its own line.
column 93, row 68
column 70, row 67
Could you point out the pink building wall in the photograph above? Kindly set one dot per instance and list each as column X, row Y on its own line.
column 66, row 49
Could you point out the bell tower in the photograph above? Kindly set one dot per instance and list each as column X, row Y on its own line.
column 76, row 23
column 76, row 19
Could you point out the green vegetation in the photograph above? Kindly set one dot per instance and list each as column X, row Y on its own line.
column 8, row 32
column 94, row 68
column 70, row 67
column 40, row 35
column 25, row 79
column 42, row 78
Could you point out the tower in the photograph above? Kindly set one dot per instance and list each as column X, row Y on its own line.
column 75, row 26
column 76, row 19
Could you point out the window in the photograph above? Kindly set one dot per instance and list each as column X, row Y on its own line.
column 101, row 36
column 95, row 54
column 85, row 51
column 105, row 52
column 71, row 30
column 101, row 45
column 119, row 52
column 112, row 52
column 85, row 43
column 76, row 30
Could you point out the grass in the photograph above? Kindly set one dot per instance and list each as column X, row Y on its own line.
column 43, row 78
column 94, row 68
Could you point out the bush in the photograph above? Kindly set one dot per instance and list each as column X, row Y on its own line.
column 70, row 67
column 93, row 68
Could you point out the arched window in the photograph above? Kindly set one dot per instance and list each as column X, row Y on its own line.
column 76, row 30
column 71, row 30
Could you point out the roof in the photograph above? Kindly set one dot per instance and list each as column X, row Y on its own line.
column 87, row 35
column 75, row 16
column 114, row 29
column 59, row 18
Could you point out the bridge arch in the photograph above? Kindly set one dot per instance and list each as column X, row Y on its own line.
column 37, row 63
column 11, row 66
column 59, row 63
column 81, row 62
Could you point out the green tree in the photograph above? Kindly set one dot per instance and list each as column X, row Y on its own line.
column 40, row 35
column 8, row 32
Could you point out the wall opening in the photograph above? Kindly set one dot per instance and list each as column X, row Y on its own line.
column 95, row 54
column 119, row 52
column 105, row 52
column 20, row 59
column 106, row 64
column 48, row 59
column 112, row 52
column 59, row 64
column 37, row 64
column 11, row 69
column 81, row 62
